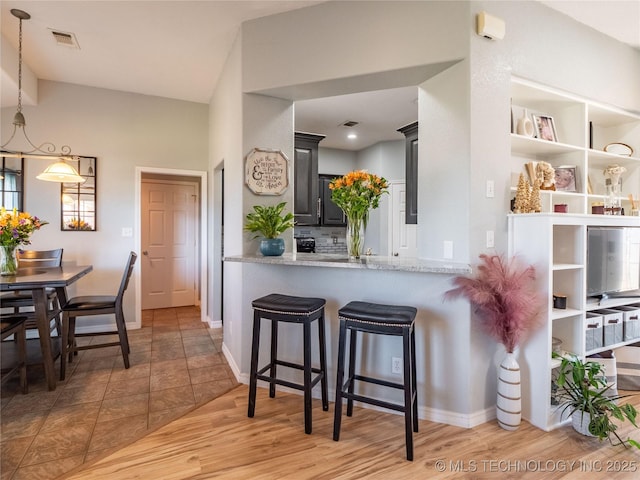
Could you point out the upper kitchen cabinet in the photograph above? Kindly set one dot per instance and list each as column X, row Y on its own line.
column 305, row 174
column 411, row 164
column 330, row 213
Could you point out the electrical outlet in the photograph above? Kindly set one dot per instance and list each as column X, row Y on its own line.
column 396, row 365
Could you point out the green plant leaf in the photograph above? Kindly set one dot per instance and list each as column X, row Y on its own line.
column 268, row 221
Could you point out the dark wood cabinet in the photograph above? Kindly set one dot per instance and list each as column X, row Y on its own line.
column 411, row 165
column 305, row 174
column 330, row 213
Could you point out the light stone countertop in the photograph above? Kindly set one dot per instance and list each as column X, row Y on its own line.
column 369, row 262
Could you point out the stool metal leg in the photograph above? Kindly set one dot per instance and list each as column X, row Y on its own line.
column 253, row 379
column 274, row 355
column 414, row 380
column 353, row 338
column 307, row 375
column 323, row 363
column 337, row 417
column 408, row 391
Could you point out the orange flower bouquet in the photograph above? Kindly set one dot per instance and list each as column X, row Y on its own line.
column 356, row 193
column 15, row 230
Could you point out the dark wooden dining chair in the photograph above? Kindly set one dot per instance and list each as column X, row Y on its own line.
column 22, row 299
column 96, row 305
column 15, row 325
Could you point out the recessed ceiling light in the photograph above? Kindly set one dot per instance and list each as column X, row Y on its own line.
column 352, row 136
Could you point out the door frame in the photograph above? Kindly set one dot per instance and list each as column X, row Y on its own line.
column 137, row 276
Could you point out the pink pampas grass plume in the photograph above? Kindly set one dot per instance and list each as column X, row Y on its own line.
column 504, row 296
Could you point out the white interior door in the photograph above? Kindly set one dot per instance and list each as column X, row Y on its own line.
column 404, row 242
column 168, row 240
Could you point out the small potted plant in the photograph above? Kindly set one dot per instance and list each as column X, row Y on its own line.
column 582, row 393
column 270, row 223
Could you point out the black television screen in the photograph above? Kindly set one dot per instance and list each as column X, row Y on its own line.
column 613, row 260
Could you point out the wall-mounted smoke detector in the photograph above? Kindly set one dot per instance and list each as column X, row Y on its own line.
column 65, row 39
column 349, row 123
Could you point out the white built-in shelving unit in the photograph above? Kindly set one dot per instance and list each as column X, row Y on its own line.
column 556, row 243
column 583, row 129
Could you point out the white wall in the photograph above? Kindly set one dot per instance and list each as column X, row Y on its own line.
column 123, row 131
column 464, row 127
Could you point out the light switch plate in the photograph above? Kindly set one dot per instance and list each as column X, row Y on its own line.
column 127, row 232
column 490, row 239
column 491, row 190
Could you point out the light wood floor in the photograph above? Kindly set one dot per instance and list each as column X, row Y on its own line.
column 219, row 441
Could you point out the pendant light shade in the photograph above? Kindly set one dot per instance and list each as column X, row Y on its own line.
column 61, row 172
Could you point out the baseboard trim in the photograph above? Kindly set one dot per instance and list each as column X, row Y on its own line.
column 424, row 413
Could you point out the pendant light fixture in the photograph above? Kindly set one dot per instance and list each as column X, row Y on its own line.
column 60, row 171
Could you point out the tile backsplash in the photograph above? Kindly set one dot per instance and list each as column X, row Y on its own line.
column 328, row 239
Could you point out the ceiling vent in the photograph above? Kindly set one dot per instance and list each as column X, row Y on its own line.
column 349, row 123
column 65, row 39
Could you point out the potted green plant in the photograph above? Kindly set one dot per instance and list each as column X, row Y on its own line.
column 582, row 393
column 269, row 222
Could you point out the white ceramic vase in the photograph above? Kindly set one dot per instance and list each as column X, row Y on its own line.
column 509, row 402
column 525, row 125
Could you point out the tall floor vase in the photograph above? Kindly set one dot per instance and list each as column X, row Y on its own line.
column 509, row 402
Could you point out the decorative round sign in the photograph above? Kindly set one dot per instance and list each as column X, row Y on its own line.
column 266, row 171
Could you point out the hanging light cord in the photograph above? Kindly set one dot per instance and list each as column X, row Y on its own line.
column 46, row 148
column 20, row 69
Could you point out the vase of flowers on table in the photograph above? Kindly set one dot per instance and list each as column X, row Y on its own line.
column 356, row 193
column 15, row 230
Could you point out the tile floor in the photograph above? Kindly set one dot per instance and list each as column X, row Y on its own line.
column 176, row 365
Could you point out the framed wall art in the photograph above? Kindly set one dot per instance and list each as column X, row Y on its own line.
column 545, row 127
column 267, row 171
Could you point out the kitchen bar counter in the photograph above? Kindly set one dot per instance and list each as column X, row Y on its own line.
column 368, row 262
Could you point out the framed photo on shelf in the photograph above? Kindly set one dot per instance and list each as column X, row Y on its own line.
column 545, row 127
column 565, row 177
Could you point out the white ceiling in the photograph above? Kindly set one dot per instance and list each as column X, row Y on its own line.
column 177, row 49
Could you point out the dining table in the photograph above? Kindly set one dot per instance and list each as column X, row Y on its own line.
column 38, row 280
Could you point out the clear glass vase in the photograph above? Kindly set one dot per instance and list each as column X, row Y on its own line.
column 8, row 260
column 612, row 203
column 355, row 236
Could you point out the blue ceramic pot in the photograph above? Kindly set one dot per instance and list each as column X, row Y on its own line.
column 272, row 247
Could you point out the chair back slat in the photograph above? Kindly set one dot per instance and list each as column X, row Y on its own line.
column 127, row 275
column 40, row 258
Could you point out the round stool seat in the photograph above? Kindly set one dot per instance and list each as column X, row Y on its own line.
column 288, row 305
column 378, row 313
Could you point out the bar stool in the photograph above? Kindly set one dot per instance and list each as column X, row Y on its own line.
column 286, row 308
column 381, row 320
